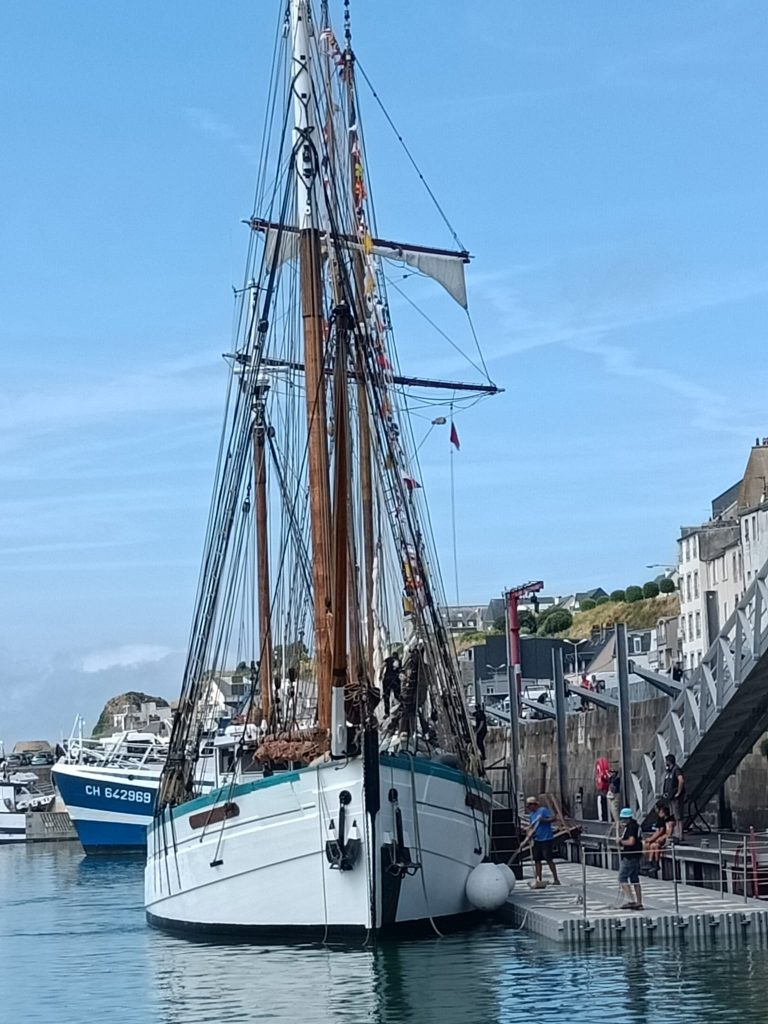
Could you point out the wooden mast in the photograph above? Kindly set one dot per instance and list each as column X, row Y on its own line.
column 364, row 425
column 262, row 547
column 306, row 164
column 340, row 499
column 353, row 665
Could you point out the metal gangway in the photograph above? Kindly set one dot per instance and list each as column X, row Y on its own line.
column 720, row 712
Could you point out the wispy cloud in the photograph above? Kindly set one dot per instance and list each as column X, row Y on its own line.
column 127, row 656
column 600, row 310
column 709, row 409
column 596, row 312
column 41, row 695
column 175, row 386
column 208, row 123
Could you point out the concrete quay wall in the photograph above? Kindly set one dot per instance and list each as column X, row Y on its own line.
column 593, row 734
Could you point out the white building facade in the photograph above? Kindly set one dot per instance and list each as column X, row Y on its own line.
column 718, row 560
column 693, row 609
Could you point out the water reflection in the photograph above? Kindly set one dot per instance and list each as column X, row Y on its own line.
column 75, row 947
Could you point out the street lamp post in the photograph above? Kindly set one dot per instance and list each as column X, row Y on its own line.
column 576, row 644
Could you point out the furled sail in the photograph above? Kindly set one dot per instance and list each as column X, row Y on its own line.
column 442, row 265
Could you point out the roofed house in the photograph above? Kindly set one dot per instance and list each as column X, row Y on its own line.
column 465, row 618
column 573, row 602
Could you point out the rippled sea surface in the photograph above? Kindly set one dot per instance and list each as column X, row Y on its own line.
column 74, row 947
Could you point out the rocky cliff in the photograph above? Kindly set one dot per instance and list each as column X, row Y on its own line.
column 125, row 702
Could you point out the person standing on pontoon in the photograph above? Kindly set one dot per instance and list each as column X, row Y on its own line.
column 629, row 866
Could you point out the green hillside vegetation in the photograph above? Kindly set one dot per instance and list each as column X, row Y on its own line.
column 635, row 614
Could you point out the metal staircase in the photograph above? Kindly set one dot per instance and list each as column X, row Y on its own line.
column 720, row 712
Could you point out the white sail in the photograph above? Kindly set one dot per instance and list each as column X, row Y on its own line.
column 447, row 268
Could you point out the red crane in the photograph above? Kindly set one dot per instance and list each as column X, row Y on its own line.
column 512, row 598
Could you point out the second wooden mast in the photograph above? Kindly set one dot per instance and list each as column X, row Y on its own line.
column 306, row 173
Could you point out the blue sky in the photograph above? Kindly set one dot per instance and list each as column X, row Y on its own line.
column 605, row 164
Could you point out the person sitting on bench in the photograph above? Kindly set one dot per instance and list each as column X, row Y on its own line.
column 665, row 825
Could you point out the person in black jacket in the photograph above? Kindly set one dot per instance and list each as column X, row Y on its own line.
column 629, row 866
column 673, row 792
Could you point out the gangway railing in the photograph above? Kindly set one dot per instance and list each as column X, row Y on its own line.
column 720, row 712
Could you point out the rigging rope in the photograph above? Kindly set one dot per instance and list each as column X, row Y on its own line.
column 412, row 159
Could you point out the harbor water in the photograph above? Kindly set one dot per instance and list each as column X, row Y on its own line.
column 75, row 948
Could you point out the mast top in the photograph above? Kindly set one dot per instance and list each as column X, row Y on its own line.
column 304, row 150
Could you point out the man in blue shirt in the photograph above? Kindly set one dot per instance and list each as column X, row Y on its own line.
column 540, row 829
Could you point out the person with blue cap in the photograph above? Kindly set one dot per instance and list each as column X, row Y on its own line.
column 629, row 862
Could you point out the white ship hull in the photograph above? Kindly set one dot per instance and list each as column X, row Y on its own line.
column 265, row 869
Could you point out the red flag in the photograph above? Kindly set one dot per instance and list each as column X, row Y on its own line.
column 455, row 436
column 410, row 483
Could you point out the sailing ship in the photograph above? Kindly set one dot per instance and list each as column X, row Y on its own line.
column 371, row 812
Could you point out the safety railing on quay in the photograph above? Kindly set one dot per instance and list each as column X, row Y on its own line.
column 727, row 665
column 736, row 865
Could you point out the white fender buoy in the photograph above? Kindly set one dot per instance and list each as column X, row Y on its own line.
column 487, row 887
column 509, row 874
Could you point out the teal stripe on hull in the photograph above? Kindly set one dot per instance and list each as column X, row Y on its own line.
column 424, row 767
column 420, row 765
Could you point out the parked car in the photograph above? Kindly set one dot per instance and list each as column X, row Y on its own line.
column 43, row 757
column 15, row 761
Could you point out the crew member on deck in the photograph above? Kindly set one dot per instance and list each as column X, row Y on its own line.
column 390, row 681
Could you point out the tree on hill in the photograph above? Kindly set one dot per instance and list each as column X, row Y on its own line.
column 557, row 621
column 528, row 621
column 587, row 605
column 603, row 600
column 651, row 589
column 667, row 586
column 618, row 595
column 633, row 594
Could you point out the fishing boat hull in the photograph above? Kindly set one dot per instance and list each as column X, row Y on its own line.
column 256, row 860
column 13, row 828
column 110, row 807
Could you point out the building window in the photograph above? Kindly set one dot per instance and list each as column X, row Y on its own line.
column 637, row 645
column 723, row 568
column 688, row 586
column 734, row 566
column 690, row 625
column 695, row 582
column 746, row 530
column 698, row 624
column 754, row 527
